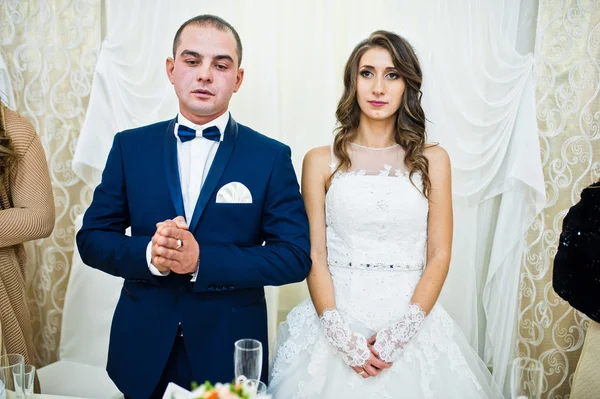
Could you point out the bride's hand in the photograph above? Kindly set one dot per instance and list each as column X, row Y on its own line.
column 360, row 371
column 388, row 343
column 370, row 343
column 377, row 363
column 351, row 345
column 373, row 366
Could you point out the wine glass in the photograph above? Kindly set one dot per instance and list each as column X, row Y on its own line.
column 11, row 374
column 526, row 378
column 247, row 359
column 28, row 380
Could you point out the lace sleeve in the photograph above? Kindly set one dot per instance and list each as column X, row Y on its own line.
column 350, row 345
column 389, row 342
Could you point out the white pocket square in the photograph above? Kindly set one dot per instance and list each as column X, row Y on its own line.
column 234, row 193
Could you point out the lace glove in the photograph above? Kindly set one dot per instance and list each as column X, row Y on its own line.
column 350, row 345
column 389, row 342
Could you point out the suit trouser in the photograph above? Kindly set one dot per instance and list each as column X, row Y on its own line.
column 176, row 370
column 586, row 383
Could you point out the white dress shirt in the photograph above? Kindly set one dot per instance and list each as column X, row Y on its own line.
column 195, row 155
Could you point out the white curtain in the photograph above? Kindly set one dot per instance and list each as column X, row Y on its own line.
column 478, row 95
column 480, row 98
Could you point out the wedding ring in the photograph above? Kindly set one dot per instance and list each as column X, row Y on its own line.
column 179, row 244
column 362, row 372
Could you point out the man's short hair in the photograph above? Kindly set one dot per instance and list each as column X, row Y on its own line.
column 215, row 22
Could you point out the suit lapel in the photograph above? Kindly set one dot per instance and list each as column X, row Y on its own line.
column 172, row 169
column 216, row 171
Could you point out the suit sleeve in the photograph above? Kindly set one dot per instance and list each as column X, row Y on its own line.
column 285, row 256
column 102, row 242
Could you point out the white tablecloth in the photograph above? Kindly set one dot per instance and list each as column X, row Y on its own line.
column 11, row 395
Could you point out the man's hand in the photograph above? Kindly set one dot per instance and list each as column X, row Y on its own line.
column 174, row 247
column 170, row 243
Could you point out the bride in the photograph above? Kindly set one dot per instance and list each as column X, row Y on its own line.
column 380, row 211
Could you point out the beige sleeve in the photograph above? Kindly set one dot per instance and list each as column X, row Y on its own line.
column 32, row 214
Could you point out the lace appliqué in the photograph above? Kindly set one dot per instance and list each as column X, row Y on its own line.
column 387, row 170
column 376, row 220
column 435, row 340
column 341, row 175
column 432, row 346
column 391, row 341
column 303, row 327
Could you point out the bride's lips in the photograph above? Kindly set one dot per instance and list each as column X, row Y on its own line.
column 376, row 103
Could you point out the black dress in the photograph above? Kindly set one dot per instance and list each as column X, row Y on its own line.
column 576, row 276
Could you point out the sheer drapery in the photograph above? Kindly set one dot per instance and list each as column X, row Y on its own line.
column 487, row 100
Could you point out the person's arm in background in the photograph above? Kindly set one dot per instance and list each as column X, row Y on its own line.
column 31, row 216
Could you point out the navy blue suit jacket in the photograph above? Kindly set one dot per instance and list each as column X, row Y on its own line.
column 141, row 187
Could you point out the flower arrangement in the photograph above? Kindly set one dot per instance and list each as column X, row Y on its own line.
column 240, row 389
column 218, row 391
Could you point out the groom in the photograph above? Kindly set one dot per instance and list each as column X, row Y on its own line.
column 202, row 193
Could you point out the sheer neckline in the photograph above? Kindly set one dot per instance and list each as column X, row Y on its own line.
column 373, row 161
column 375, row 148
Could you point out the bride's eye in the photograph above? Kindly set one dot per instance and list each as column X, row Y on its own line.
column 366, row 74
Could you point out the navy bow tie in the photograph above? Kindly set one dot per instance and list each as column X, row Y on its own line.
column 187, row 133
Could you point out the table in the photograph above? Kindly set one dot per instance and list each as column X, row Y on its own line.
column 11, row 395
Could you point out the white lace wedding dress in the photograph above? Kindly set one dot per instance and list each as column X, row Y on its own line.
column 376, row 238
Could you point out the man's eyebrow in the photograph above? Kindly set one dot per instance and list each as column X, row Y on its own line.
column 190, row 52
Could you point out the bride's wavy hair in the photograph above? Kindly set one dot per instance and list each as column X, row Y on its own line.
column 7, row 152
column 410, row 118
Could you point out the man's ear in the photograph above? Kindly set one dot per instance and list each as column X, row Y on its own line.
column 239, row 79
column 170, row 67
